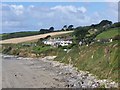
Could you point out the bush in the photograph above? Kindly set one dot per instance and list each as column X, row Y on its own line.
column 6, row 50
column 40, row 49
column 117, row 37
column 67, row 47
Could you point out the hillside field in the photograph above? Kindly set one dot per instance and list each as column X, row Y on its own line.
column 31, row 38
column 108, row 34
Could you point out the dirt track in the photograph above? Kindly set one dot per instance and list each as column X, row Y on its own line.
column 31, row 38
column 28, row 74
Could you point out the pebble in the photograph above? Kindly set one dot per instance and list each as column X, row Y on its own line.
column 15, row 75
column 81, row 79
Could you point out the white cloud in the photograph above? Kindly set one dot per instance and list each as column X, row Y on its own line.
column 10, row 23
column 17, row 9
column 36, row 17
column 69, row 8
column 113, row 11
column 83, row 9
column 111, row 0
column 31, row 6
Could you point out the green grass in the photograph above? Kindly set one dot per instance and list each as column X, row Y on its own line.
column 40, row 49
column 26, row 51
column 108, row 34
column 104, row 65
column 87, row 58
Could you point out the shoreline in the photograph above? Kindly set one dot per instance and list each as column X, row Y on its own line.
column 74, row 77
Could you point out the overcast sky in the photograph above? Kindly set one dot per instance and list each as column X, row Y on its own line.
column 28, row 16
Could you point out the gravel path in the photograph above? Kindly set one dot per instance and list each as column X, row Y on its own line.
column 18, row 72
column 22, row 73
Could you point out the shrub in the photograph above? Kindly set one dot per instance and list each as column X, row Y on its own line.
column 6, row 50
column 117, row 37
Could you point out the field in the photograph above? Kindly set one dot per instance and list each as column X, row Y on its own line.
column 31, row 38
column 18, row 34
column 108, row 34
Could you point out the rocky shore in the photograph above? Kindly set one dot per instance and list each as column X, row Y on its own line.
column 79, row 79
column 71, row 76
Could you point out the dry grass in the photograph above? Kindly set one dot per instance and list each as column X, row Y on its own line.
column 31, row 38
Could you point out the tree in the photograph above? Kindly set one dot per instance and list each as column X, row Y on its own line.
column 117, row 37
column 117, row 24
column 80, row 33
column 64, row 28
column 70, row 27
column 47, row 37
column 93, row 26
column 42, row 31
column 39, row 42
column 105, row 22
column 101, row 24
column 51, row 29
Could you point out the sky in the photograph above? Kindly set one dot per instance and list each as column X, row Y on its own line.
column 32, row 16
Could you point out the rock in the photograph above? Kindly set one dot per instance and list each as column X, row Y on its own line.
column 56, row 64
column 15, row 75
column 60, row 73
column 77, row 85
column 95, row 84
column 50, row 57
column 32, row 55
column 20, row 58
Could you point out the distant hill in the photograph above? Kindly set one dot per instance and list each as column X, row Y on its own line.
column 22, row 34
column 92, row 29
column 18, row 34
column 104, row 30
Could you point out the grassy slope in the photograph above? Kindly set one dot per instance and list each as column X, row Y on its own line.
column 108, row 34
column 27, row 51
column 103, row 65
